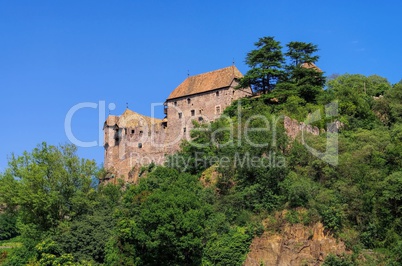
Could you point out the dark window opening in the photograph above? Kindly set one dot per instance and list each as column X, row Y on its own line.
column 184, row 130
column 117, row 135
column 175, row 103
column 192, row 112
column 140, row 145
column 218, row 109
column 200, row 119
column 180, row 115
column 188, row 100
column 132, row 131
column 217, row 93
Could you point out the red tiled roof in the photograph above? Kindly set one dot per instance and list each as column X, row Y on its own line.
column 206, row 82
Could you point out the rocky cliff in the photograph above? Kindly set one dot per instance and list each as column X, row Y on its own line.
column 294, row 245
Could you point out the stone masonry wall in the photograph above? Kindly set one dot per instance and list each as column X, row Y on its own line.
column 294, row 127
column 133, row 147
column 203, row 107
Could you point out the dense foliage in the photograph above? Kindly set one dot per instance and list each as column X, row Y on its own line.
column 292, row 73
column 208, row 202
column 51, row 202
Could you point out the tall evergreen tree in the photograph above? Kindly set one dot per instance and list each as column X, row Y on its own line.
column 302, row 77
column 302, row 70
column 301, row 52
column 266, row 66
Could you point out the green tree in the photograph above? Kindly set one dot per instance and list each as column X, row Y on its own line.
column 332, row 260
column 266, row 65
column 53, row 184
column 8, row 225
column 50, row 186
column 372, row 85
column 85, row 238
column 355, row 104
column 376, row 85
column 302, row 77
column 393, row 99
column 161, row 224
column 298, row 190
column 301, row 52
column 8, row 206
column 227, row 249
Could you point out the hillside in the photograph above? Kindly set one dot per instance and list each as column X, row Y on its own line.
column 244, row 191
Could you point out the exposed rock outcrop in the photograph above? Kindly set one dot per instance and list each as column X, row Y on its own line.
column 295, row 245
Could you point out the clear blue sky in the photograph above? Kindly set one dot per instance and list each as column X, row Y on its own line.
column 56, row 54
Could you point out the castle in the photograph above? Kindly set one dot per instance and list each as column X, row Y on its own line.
column 133, row 140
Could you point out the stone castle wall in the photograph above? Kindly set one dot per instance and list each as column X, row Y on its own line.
column 128, row 147
column 204, row 107
column 294, row 127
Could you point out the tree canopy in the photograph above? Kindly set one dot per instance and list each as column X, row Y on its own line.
column 269, row 72
column 266, row 65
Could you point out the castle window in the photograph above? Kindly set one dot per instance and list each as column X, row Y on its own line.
column 184, row 130
column 132, row 131
column 188, row 100
column 233, row 92
column 200, row 111
column 175, row 103
column 200, row 119
column 140, row 145
column 217, row 93
column 117, row 136
column 141, row 132
column 180, row 115
column 218, row 109
column 192, row 112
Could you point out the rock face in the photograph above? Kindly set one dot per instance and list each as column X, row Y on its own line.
column 294, row 127
column 295, row 245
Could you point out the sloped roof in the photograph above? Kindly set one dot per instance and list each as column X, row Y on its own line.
column 206, row 82
column 130, row 119
column 311, row 65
